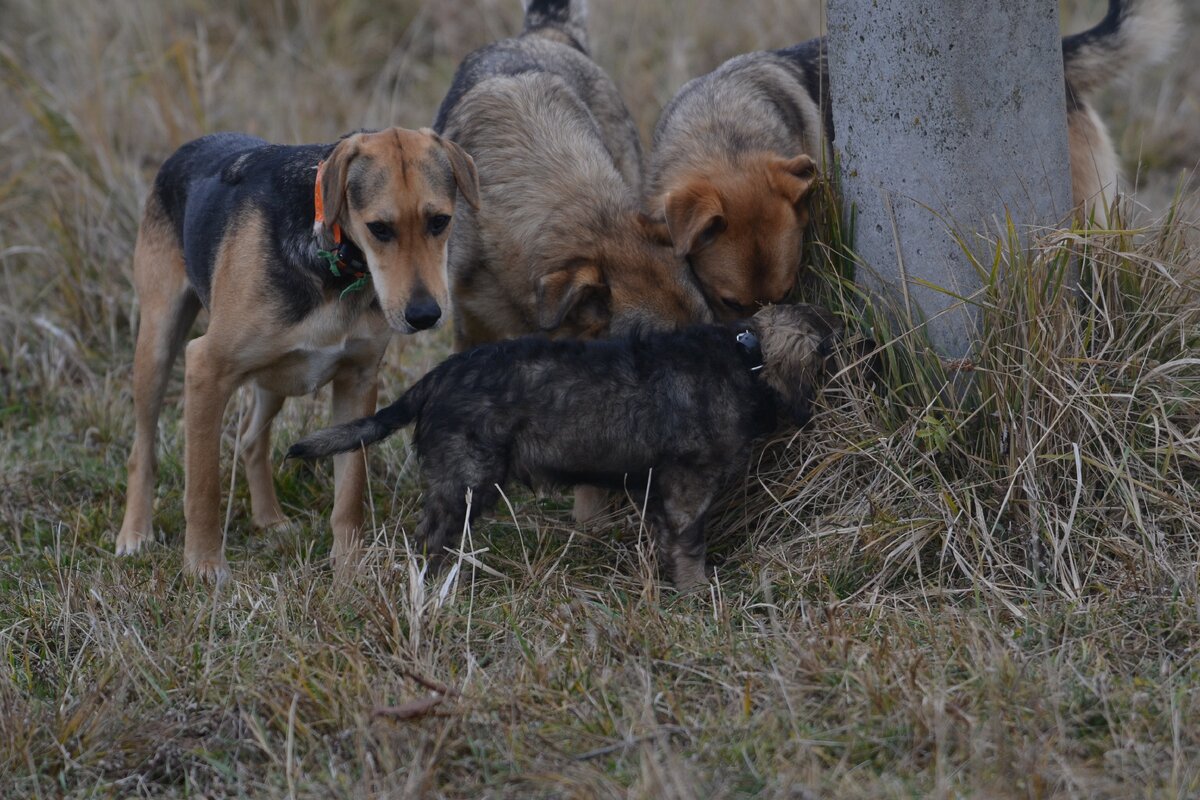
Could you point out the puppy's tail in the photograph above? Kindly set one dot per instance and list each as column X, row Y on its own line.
column 357, row 434
column 1133, row 33
column 567, row 16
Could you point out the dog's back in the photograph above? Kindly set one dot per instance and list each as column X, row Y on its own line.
column 200, row 189
column 763, row 101
column 554, row 42
column 1133, row 33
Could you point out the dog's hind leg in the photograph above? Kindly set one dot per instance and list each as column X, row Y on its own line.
column 168, row 309
column 256, row 457
column 355, row 392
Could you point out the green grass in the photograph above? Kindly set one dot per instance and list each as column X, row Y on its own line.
column 982, row 588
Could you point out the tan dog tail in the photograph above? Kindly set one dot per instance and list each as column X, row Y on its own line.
column 1133, row 33
column 357, row 434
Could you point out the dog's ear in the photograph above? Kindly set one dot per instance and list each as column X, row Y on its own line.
column 695, row 216
column 794, row 177
column 655, row 229
column 463, row 166
column 559, row 292
column 333, row 184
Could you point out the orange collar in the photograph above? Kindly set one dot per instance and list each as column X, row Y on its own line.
column 345, row 260
column 319, row 206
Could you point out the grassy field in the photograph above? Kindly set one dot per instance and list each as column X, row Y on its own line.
column 989, row 593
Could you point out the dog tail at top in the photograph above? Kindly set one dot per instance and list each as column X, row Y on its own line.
column 359, row 433
column 569, row 16
column 1133, row 33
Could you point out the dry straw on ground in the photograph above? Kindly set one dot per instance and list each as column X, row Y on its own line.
column 990, row 592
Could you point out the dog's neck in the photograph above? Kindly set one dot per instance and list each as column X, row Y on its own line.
column 747, row 339
column 345, row 260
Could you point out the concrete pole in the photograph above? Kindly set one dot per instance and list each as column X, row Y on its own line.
column 947, row 113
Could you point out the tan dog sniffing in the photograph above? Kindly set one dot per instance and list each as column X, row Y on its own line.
column 304, row 280
column 735, row 152
column 559, row 245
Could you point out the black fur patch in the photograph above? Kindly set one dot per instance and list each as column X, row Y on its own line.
column 547, row 12
column 213, row 183
column 812, row 58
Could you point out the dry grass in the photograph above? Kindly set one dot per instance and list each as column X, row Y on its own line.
column 989, row 592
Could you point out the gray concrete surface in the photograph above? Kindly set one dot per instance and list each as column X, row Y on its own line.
column 947, row 114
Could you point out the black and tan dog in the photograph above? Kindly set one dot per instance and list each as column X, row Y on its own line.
column 307, row 259
column 735, row 151
column 559, row 244
column 677, row 411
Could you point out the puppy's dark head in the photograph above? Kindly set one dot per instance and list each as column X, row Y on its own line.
column 797, row 342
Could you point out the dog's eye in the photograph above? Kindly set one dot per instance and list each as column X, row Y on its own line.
column 711, row 231
column 381, row 231
column 437, row 224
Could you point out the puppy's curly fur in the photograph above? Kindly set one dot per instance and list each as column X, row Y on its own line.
column 676, row 410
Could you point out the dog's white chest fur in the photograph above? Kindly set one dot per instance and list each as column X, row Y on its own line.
column 318, row 348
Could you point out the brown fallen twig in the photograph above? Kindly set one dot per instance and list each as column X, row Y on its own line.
column 411, row 710
column 625, row 744
column 432, row 685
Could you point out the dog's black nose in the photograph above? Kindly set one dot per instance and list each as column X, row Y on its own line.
column 423, row 314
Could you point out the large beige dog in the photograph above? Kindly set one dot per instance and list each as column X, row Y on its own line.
column 558, row 243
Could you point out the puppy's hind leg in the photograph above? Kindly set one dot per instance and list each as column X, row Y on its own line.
column 442, row 521
column 445, row 516
column 256, row 456
column 677, row 509
column 168, row 309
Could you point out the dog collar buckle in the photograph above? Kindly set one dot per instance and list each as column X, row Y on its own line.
column 749, row 342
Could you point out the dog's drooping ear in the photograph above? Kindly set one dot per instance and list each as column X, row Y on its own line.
column 794, row 177
column 465, row 174
column 333, row 182
column 559, row 292
column 695, row 216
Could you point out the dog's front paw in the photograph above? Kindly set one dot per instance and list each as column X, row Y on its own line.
column 130, row 540
column 207, row 567
column 345, row 556
column 275, row 523
column 689, row 575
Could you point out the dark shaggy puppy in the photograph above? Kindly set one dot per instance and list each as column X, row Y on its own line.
column 675, row 410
